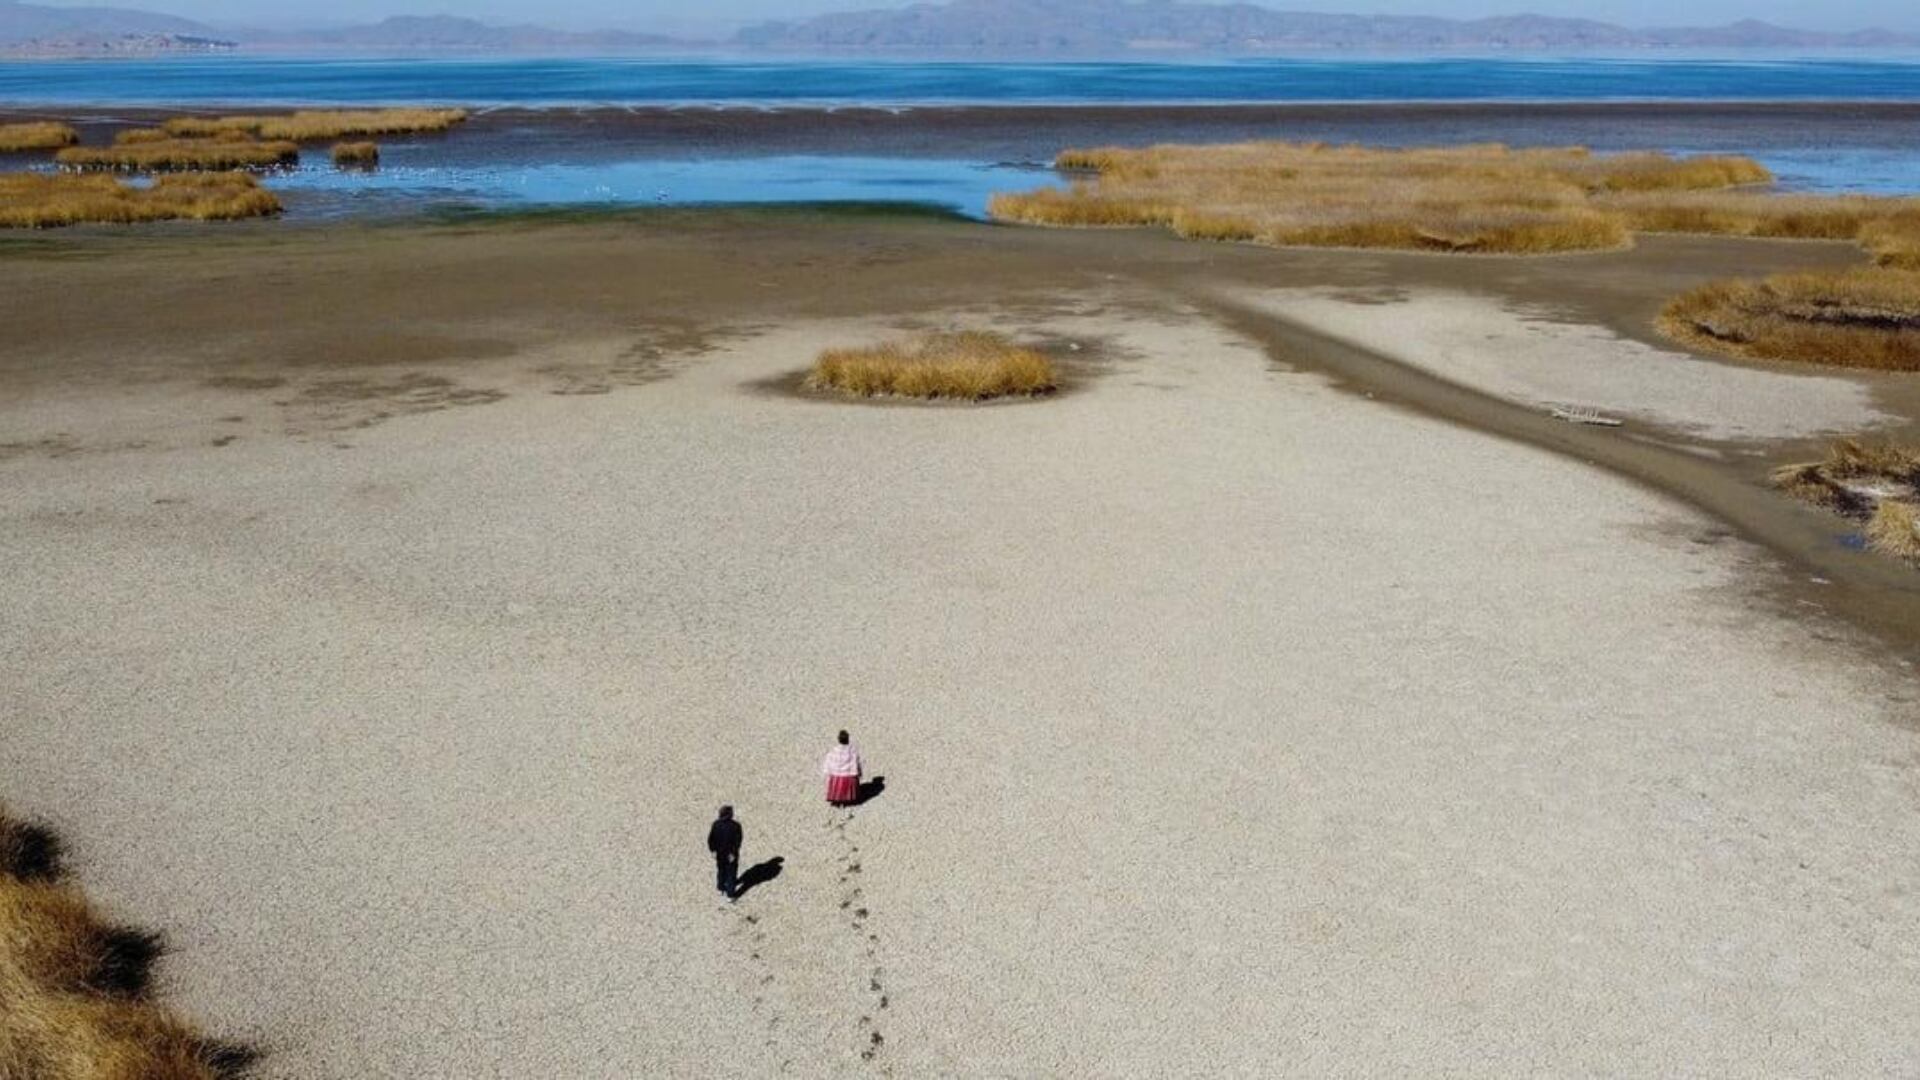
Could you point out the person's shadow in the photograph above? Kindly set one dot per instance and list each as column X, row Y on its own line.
column 756, row 875
column 869, row 790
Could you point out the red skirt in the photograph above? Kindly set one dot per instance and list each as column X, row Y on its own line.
column 843, row 789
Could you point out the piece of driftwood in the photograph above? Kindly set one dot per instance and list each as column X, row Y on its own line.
column 1581, row 414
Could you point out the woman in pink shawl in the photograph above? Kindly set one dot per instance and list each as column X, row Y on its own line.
column 842, row 769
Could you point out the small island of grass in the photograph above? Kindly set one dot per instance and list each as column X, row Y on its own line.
column 967, row 366
column 1476, row 199
column 1481, row 199
column 19, row 138
column 1858, row 317
column 151, row 150
column 356, row 155
column 310, row 125
column 39, row 200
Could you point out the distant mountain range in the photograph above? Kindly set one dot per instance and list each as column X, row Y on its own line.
column 1118, row 27
column 28, row 22
column 35, row 29
column 957, row 28
column 433, row 33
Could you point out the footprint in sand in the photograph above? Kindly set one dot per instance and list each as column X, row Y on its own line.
column 765, row 982
column 857, row 921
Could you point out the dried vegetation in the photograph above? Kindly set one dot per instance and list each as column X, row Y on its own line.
column 356, row 155
column 310, row 125
column 39, row 200
column 17, row 138
column 1483, row 199
column 74, row 1001
column 970, row 366
column 1877, row 484
column 151, row 150
column 1860, row 317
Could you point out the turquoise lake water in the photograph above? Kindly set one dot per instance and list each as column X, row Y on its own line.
column 634, row 132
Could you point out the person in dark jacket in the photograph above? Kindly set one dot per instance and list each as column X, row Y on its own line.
column 724, row 839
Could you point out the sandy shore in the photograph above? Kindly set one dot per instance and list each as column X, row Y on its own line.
column 1230, row 721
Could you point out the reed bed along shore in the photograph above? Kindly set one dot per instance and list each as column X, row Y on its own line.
column 309, row 125
column 1859, row 317
column 149, row 150
column 16, row 138
column 1878, row 485
column 1760, row 213
column 1482, row 199
column 968, row 366
column 38, row 200
column 1496, row 200
column 1466, row 199
column 356, row 155
column 74, row 994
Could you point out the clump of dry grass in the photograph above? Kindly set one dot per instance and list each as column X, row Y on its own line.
column 1853, row 477
column 1895, row 528
column 1761, row 214
column 37, row 201
column 1862, row 317
column 1462, row 199
column 1876, row 483
column 1809, row 484
column 309, row 125
column 358, row 155
column 54, row 938
column 1851, row 459
column 1894, row 241
column 141, row 136
column 1658, row 172
column 73, row 991
column 15, row 138
column 969, row 365
column 79, row 1037
column 140, row 151
column 149, row 136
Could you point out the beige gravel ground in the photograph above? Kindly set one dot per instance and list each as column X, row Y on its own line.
column 1231, row 726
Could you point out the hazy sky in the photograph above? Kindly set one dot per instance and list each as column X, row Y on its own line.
column 716, row 15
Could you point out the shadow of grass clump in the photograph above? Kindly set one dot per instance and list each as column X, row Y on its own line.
column 123, row 961
column 75, row 986
column 29, row 851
